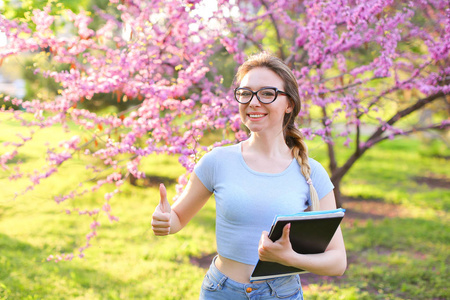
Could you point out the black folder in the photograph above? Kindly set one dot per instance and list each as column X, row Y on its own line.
column 310, row 233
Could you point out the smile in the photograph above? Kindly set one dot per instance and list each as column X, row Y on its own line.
column 256, row 116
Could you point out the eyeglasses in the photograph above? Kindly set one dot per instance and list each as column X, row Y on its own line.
column 265, row 95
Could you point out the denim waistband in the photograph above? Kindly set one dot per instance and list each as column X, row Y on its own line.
column 222, row 278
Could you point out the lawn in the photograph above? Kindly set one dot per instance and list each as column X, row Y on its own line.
column 396, row 233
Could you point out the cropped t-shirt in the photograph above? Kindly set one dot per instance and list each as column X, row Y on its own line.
column 247, row 201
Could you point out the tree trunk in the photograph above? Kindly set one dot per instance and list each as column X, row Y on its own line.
column 337, row 194
column 338, row 174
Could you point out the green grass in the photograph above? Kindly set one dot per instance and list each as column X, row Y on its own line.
column 398, row 258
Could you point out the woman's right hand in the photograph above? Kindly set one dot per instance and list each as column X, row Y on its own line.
column 162, row 215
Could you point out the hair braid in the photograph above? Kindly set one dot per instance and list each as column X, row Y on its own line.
column 294, row 139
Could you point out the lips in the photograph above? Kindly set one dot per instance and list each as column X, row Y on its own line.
column 256, row 115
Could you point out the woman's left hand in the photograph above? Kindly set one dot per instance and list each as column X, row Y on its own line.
column 278, row 251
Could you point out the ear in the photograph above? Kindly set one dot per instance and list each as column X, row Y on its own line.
column 289, row 109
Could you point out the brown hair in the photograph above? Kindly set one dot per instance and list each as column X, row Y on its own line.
column 292, row 135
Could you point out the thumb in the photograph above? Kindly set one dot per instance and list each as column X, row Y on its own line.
column 264, row 237
column 163, row 203
column 286, row 231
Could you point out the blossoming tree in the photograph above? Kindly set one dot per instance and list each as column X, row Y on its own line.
column 376, row 61
column 357, row 61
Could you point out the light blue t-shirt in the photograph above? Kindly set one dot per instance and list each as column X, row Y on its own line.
column 247, row 201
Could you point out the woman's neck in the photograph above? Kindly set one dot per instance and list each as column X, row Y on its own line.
column 273, row 146
column 266, row 155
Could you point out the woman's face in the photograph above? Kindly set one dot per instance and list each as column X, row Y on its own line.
column 260, row 117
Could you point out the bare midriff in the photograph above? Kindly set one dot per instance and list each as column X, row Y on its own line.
column 235, row 270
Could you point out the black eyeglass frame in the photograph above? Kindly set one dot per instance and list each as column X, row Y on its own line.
column 276, row 90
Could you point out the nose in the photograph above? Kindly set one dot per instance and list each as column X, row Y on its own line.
column 254, row 102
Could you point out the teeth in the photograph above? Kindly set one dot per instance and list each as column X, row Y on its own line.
column 256, row 116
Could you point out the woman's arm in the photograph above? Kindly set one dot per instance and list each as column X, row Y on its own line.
column 332, row 262
column 168, row 220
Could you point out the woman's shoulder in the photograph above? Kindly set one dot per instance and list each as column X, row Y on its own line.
column 317, row 169
column 313, row 162
column 220, row 154
column 224, row 150
column 315, row 165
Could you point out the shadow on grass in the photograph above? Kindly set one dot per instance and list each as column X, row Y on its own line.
column 433, row 182
column 22, row 158
column 23, row 272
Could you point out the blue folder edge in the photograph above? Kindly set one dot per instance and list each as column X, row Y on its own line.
column 312, row 213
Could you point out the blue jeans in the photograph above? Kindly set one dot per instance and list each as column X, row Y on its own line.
column 218, row 286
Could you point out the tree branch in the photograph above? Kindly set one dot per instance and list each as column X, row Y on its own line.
column 413, row 130
column 274, row 23
column 381, row 95
column 376, row 136
column 358, row 137
column 331, row 154
column 403, row 113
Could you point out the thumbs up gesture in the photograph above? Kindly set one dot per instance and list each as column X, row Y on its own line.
column 162, row 215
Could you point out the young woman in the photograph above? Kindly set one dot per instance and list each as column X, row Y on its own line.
column 270, row 173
